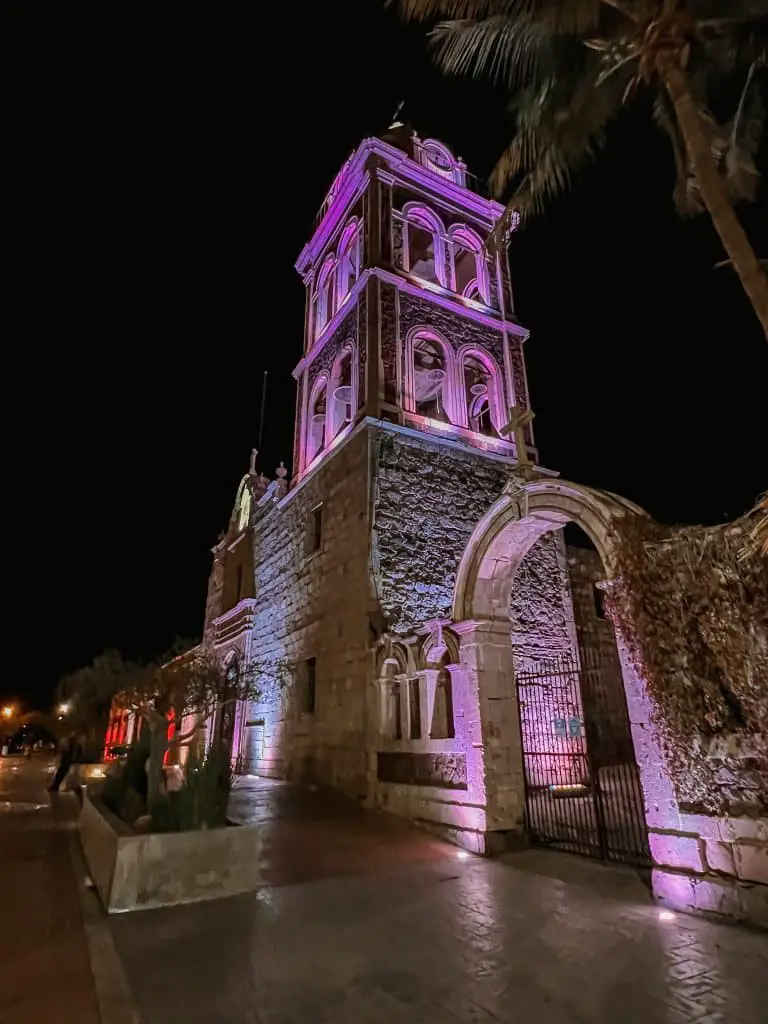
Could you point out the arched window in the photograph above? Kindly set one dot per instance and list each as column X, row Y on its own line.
column 316, row 418
column 348, row 265
column 438, row 158
column 424, row 245
column 482, row 393
column 325, row 295
column 442, row 725
column 430, row 377
column 342, row 396
column 391, row 683
column 470, row 272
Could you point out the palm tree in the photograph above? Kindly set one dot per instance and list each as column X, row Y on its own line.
column 572, row 65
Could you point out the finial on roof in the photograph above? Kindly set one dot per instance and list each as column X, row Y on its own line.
column 252, row 467
column 281, row 472
column 396, row 121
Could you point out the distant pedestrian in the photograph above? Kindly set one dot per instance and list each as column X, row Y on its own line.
column 67, row 754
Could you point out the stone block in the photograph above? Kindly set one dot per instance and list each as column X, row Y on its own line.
column 719, row 857
column 751, row 861
column 673, row 850
column 754, row 902
column 717, row 896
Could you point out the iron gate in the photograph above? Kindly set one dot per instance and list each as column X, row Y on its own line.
column 582, row 785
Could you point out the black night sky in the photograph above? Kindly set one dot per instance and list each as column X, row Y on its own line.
column 166, row 164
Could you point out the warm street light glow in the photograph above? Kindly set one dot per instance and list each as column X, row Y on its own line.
column 7, row 712
column 63, row 709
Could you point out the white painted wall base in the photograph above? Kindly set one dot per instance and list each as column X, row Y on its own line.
column 133, row 871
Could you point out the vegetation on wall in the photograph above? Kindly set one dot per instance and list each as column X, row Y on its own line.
column 692, row 606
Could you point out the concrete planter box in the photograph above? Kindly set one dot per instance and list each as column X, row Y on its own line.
column 136, row 871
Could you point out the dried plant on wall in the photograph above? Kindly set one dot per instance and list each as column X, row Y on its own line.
column 692, row 606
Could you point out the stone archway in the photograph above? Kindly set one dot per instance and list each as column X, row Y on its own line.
column 511, row 527
column 481, row 605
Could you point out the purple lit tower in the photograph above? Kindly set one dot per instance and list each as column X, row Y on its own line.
column 335, row 587
column 408, row 318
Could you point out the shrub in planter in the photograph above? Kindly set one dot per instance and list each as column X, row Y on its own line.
column 201, row 802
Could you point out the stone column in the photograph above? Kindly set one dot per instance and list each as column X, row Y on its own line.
column 495, row 763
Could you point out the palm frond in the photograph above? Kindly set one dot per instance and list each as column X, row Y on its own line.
column 746, row 131
column 496, row 48
column 559, row 131
column 573, row 16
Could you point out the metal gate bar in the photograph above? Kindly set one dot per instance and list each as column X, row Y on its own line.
column 582, row 785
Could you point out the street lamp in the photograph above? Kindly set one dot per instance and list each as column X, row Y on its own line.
column 63, row 709
column 7, row 712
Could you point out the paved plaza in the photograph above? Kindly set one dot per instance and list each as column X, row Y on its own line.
column 432, row 937
column 364, row 920
column 45, row 970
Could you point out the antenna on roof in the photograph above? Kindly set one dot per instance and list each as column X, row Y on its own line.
column 261, row 412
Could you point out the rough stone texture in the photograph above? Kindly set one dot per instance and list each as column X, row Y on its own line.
column 602, row 681
column 738, row 768
column 541, row 614
column 136, row 872
column 543, row 629
column 428, row 500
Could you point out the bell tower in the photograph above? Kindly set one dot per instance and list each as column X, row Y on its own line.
column 409, row 315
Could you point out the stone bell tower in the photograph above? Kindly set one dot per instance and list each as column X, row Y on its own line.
column 411, row 360
column 409, row 317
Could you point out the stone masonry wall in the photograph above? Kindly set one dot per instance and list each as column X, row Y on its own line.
column 544, row 637
column 703, row 863
column 541, row 615
column 428, row 499
column 314, row 605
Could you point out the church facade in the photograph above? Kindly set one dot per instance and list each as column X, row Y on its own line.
column 336, row 588
column 419, row 633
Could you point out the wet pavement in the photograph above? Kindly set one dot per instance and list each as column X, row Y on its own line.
column 307, row 835
column 45, row 972
column 366, row 920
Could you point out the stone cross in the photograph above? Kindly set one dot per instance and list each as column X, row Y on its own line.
column 252, row 467
column 518, row 420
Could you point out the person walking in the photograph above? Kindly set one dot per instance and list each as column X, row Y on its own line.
column 67, row 752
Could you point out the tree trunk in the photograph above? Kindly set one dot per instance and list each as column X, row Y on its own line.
column 157, row 748
column 715, row 197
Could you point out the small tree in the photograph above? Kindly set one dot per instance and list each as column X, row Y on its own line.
column 197, row 689
column 88, row 693
column 191, row 685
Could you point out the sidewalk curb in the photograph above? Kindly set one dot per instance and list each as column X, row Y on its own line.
column 113, row 993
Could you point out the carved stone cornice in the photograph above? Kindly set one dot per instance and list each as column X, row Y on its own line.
column 233, row 623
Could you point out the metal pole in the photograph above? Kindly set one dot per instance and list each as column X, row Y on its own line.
column 261, row 413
